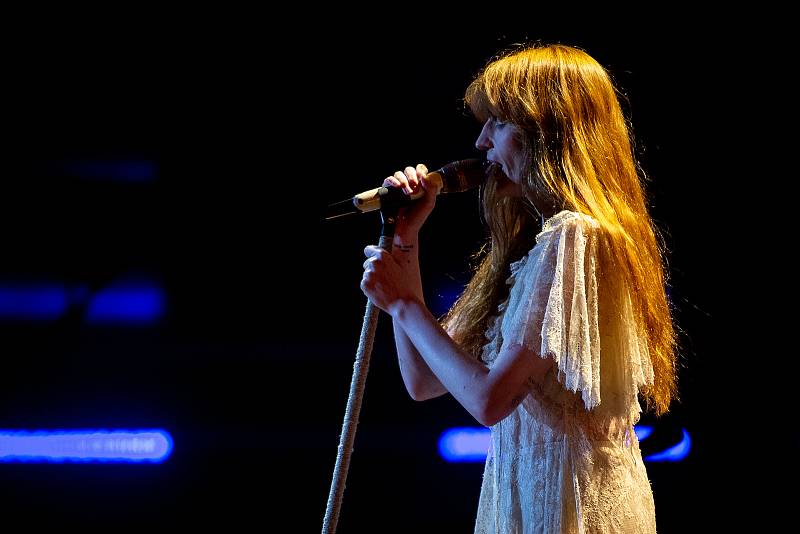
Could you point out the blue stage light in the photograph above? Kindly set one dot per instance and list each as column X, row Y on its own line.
column 676, row 453
column 466, row 444
column 132, row 446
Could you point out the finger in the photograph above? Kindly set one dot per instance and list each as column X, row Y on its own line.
column 375, row 253
column 423, row 170
column 369, row 263
column 404, row 181
column 411, row 175
column 368, row 281
column 391, row 181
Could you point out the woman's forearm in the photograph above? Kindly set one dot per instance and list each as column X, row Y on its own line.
column 418, row 378
column 429, row 358
column 464, row 377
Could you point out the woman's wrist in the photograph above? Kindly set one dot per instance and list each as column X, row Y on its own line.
column 406, row 253
column 405, row 240
column 404, row 248
column 399, row 308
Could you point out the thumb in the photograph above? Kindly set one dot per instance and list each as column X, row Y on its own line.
column 431, row 187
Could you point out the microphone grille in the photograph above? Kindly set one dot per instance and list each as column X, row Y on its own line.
column 463, row 175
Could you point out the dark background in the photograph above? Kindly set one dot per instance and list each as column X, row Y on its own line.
column 255, row 125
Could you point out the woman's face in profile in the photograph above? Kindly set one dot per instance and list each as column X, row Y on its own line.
column 500, row 141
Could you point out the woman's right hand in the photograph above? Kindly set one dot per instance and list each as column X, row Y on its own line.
column 411, row 218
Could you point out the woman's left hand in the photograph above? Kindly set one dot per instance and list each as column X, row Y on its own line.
column 385, row 282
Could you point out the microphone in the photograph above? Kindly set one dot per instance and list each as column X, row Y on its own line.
column 454, row 177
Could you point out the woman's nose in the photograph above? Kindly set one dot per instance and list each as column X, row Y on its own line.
column 483, row 142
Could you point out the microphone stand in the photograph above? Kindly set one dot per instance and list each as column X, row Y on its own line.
column 360, row 368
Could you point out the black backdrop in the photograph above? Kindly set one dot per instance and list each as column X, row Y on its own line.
column 255, row 124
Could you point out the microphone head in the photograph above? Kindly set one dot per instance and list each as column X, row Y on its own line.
column 464, row 174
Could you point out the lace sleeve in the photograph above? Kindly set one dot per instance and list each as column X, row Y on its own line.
column 553, row 306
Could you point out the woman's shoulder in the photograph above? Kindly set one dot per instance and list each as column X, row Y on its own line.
column 565, row 220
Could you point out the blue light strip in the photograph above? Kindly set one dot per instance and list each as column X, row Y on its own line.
column 126, row 304
column 676, row 453
column 467, row 444
column 642, row 431
column 129, row 446
column 42, row 302
column 138, row 303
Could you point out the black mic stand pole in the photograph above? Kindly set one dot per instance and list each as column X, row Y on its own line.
column 360, row 368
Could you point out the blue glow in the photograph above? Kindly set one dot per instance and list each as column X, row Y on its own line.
column 126, row 304
column 135, row 170
column 676, row 453
column 44, row 302
column 445, row 296
column 468, row 444
column 465, row 444
column 642, row 431
column 139, row 303
column 131, row 446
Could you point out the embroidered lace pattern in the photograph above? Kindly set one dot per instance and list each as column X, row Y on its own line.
column 567, row 459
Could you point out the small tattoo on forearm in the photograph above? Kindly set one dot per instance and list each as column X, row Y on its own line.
column 404, row 248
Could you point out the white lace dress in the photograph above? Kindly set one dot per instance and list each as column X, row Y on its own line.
column 567, row 459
